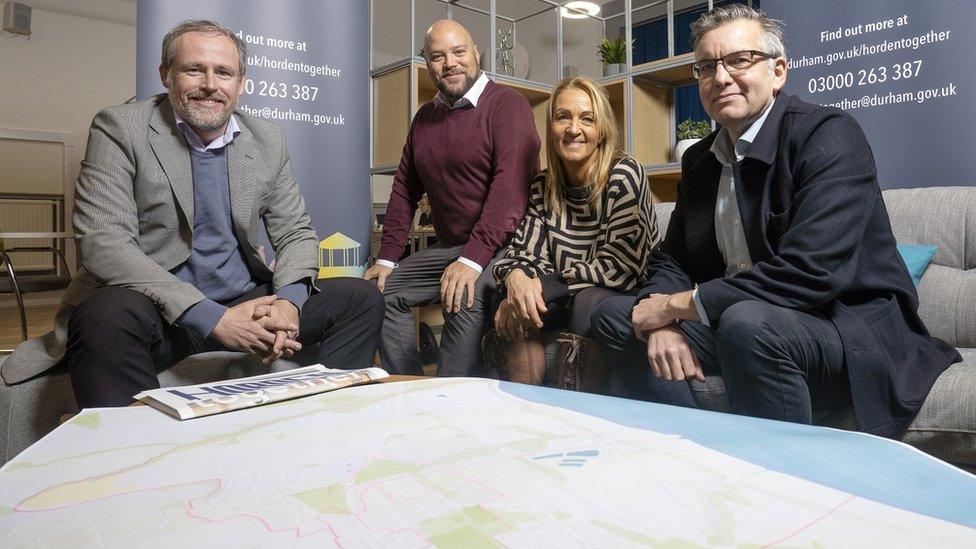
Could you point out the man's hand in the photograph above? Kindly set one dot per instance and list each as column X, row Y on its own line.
column 456, row 278
column 240, row 328
column 525, row 298
column 671, row 357
column 282, row 319
column 658, row 310
column 507, row 325
column 379, row 272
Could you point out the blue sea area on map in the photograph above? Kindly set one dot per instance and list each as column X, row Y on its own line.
column 866, row 466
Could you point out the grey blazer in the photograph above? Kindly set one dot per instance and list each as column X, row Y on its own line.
column 133, row 216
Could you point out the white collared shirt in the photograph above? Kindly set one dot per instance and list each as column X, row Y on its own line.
column 468, row 99
column 197, row 144
column 471, row 97
column 729, row 234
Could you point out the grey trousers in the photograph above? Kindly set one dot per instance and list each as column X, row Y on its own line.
column 417, row 281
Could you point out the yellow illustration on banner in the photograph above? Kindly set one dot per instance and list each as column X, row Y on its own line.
column 339, row 256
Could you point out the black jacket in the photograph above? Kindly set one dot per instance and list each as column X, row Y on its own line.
column 821, row 242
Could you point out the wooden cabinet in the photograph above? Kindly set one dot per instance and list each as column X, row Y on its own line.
column 653, row 88
column 663, row 179
column 397, row 95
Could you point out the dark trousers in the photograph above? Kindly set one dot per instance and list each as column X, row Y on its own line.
column 118, row 341
column 416, row 282
column 776, row 363
column 575, row 315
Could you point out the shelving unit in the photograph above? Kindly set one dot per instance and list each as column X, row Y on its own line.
column 646, row 120
column 642, row 96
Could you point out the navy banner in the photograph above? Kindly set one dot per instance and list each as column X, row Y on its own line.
column 308, row 72
column 902, row 68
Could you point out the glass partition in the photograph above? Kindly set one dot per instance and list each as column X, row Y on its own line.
column 650, row 26
column 615, row 24
column 525, row 32
column 527, row 40
column 391, row 31
column 685, row 13
column 581, row 45
column 650, row 30
column 427, row 11
column 475, row 15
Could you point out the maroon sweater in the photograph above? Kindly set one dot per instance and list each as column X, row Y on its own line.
column 475, row 164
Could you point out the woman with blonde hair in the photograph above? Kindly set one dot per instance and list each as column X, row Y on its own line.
column 586, row 234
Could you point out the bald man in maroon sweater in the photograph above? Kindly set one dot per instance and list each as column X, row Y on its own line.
column 474, row 150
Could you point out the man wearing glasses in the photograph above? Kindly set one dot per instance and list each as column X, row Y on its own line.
column 779, row 271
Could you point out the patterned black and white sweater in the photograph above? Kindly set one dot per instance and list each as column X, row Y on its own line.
column 602, row 243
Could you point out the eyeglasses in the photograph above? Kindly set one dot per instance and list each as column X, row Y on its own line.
column 734, row 62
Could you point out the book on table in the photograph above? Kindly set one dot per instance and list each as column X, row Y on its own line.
column 205, row 399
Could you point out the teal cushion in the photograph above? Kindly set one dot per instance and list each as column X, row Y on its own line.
column 917, row 257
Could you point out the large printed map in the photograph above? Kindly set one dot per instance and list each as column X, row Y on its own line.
column 466, row 463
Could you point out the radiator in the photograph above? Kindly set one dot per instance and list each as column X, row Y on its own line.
column 27, row 216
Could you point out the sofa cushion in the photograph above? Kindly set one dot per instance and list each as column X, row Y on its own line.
column 31, row 409
column 916, row 257
column 946, row 424
column 940, row 216
column 947, row 304
column 662, row 211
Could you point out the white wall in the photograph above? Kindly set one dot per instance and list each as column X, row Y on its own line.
column 68, row 70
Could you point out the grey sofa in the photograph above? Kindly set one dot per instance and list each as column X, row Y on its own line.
column 946, row 217
column 945, row 427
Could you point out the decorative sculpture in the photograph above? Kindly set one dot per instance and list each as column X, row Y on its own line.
column 503, row 60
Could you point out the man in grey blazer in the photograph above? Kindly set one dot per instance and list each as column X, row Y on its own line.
column 166, row 216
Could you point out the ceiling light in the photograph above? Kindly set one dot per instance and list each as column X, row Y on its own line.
column 579, row 10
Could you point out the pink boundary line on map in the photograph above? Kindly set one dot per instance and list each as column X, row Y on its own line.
column 811, row 523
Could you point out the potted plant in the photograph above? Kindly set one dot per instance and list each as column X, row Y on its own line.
column 613, row 54
column 690, row 132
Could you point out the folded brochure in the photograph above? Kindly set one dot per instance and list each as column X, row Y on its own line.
column 206, row 399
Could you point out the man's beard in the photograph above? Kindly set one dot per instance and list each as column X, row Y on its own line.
column 468, row 83
column 201, row 118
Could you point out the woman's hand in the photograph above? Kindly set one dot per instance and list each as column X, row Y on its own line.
column 506, row 325
column 525, row 298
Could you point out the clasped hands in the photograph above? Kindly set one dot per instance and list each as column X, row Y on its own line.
column 668, row 352
column 266, row 327
column 523, row 307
